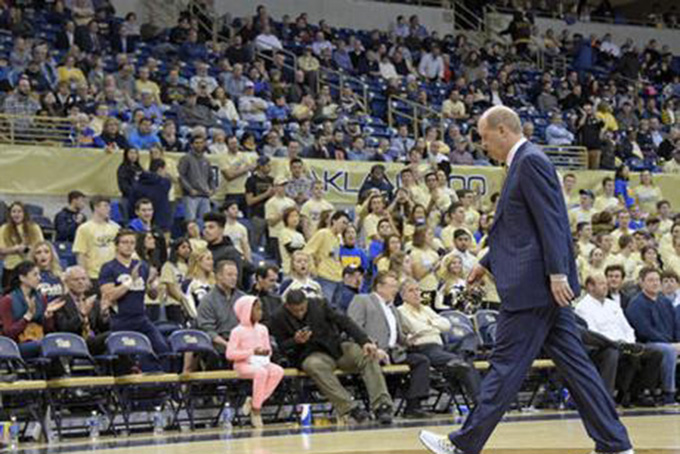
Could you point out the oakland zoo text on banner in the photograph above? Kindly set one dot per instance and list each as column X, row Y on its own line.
column 31, row 170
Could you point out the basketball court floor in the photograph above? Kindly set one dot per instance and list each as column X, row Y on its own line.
column 653, row 432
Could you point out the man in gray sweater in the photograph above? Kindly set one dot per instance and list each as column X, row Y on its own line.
column 197, row 180
column 216, row 314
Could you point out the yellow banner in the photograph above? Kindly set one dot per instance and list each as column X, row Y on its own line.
column 34, row 170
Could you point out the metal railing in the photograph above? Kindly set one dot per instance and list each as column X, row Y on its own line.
column 567, row 157
column 464, row 18
column 214, row 27
column 268, row 56
column 33, row 130
column 338, row 80
column 559, row 14
column 418, row 115
column 432, row 3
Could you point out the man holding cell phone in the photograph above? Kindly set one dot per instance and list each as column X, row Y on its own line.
column 309, row 333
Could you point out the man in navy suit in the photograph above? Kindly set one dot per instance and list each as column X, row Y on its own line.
column 532, row 260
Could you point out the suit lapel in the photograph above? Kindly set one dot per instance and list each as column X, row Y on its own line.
column 502, row 201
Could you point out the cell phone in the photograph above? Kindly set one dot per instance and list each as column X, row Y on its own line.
column 305, row 329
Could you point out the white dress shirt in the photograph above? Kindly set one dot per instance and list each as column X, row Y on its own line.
column 513, row 151
column 616, row 297
column 605, row 318
column 391, row 321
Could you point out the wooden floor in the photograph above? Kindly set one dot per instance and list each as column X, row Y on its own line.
column 544, row 433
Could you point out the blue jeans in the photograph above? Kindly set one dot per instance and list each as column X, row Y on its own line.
column 668, row 364
column 195, row 208
column 327, row 288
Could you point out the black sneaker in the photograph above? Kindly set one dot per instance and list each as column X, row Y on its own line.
column 645, row 401
column 415, row 413
column 384, row 414
column 358, row 414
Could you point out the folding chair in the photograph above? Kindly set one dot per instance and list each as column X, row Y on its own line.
column 20, row 393
column 462, row 335
column 462, row 339
column 198, row 342
column 138, row 391
column 222, row 385
column 484, row 319
column 82, row 388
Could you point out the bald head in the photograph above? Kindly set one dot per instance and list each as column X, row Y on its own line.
column 500, row 128
column 498, row 116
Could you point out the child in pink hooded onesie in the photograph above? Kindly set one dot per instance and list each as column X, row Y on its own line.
column 250, row 350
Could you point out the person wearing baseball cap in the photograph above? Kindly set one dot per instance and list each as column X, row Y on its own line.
column 352, row 279
column 252, row 107
column 584, row 211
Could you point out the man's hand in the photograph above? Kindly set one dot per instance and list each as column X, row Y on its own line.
column 261, row 352
column 53, row 307
column 477, row 273
column 89, row 304
column 302, row 336
column 370, row 349
column 134, row 274
column 562, row 292
column 677, row 347
column 382, row 356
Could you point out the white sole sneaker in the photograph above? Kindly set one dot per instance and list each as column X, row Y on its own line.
column 437, row 444
column 629, row 451
column 247, row 406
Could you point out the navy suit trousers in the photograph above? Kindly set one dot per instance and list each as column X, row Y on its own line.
column 520, row 336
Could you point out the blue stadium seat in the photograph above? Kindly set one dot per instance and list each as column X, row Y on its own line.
column 191, row 340
column 65, row 251
column 484, row 319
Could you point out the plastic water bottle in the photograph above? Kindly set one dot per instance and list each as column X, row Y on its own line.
column 227, row 417
column 94, row 425
column 13, row 434
column 460, row 414
column 158, row 422
column 565, row 397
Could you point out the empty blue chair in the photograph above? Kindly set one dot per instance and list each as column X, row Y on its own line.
column 60, row 345
column 71, row 351
column 65, row 251
column 191, row 340
column 461, row 337
column 129, row 343
column 484, row 319
column 138, row 391
column 10, row 356
column 34, row 210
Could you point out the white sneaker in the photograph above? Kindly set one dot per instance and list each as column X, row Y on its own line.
column 247, row 406
column 438, row 444
column 629, row 451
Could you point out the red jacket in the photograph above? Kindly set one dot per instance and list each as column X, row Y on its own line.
column 13, row 328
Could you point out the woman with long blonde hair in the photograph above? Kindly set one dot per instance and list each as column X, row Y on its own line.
column 46, row 259
column 452, row 275
column 200, row 280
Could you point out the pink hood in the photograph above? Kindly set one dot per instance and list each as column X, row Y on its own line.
column 244, row 310
column 246, row 337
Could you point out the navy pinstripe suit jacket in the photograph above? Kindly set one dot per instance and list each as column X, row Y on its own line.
column 530, row 238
